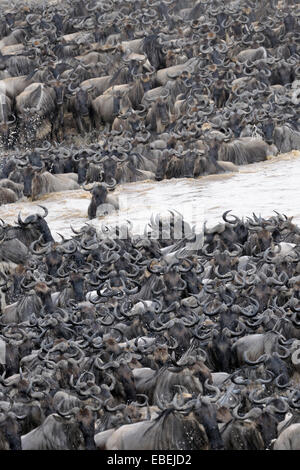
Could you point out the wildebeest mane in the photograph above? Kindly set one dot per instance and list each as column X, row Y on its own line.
column 19, row 65
column 171, row 430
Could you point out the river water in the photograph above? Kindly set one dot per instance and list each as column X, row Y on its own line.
column 261, row 188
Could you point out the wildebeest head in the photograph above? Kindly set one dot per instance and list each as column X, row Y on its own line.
column 268, row 127
column 126, row 379
column 162, row 110
column 37, row 183
column 278, row 367
column 8, row 166
column 82, row 102
column 283, row 75
column 44, row 292
column 154, row 52
column 59, row 88
column 109, row 166
column 83, row 420
column 206, row 412
column 162, row 166
column 242, row 232
column 28, row 175
column 189, row 164
column 53, row 259
column 5, row 120
column 35, row 159
column 77, row 281
column 99, row 195
column 220, row 348
column 267, row 424
column 82, row 170
column 86, row 423
column 80, row 162
column 174, row 284
column 39, row 223
column 10, row 431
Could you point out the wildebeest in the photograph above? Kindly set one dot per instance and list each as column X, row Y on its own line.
column 286, row 138
column 253, row 431
column 244, row 150
column 106, row 107
column 251, row 55
column 34, row 106
column 97, row 86
column 289, row 439
column 174, row 428
column 6, row 118
column 73, row 430
column 253, row 347
column 80, row 105
column 39, row 181
column 13, row 86
column 10, row 438
column 148, row 435
column 101, row 201
column 15, row 187
column 7, row 196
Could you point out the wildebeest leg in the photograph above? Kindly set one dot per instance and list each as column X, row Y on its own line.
column 60, row 131
column 4, row 133
column 79, row 124
column 92, row 119
column 88, row 124
column 53, row 132
column 96, row 123
column 57, row 124
column 20, row 131
column 26, row 135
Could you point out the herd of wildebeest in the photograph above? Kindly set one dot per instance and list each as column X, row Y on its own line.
column 171, row 339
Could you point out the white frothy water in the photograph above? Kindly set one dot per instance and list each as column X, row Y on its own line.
column 260, row 188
